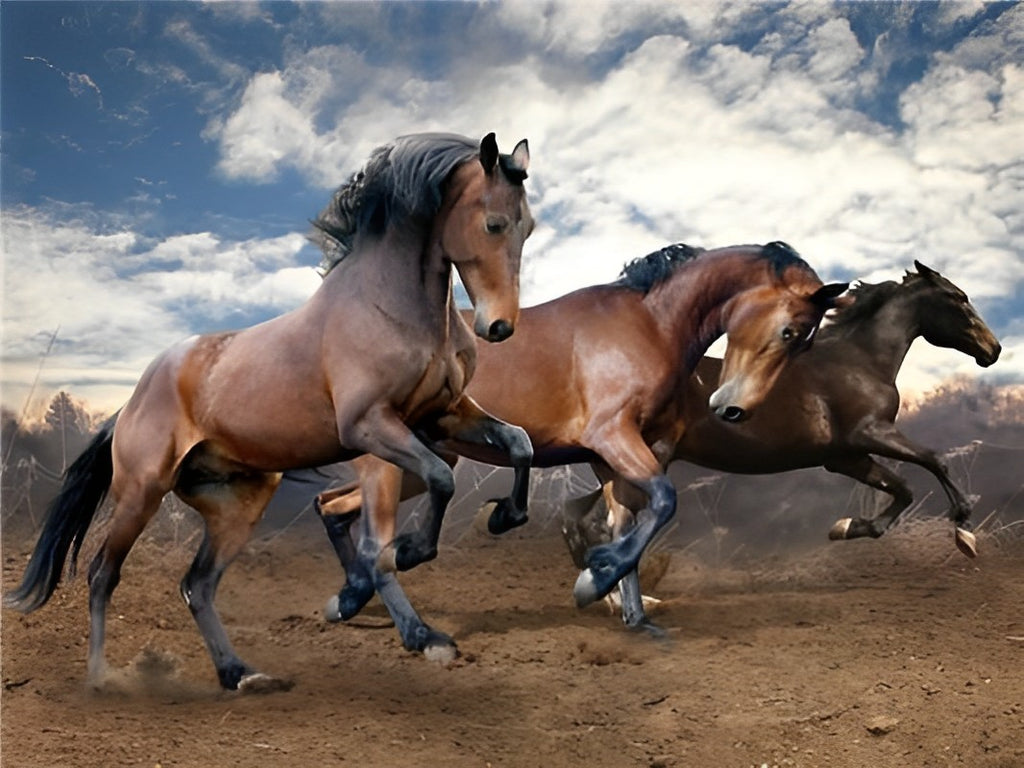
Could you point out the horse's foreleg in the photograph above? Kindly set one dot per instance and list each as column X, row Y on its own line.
column 231, row 509
column 886, row 440
column 623, row 449
column 338, row 509
column 467, row 423
column 382, row 434
column 620, row 500
column 866, row 470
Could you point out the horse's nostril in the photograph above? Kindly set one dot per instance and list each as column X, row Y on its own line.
column 731, row 413
column 499, row 330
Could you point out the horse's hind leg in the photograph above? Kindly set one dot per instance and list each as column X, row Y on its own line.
column 378, row 492
column 868, row 471
column 380, row 482
column 885, row 440
column 231, row 508
column 134, row 508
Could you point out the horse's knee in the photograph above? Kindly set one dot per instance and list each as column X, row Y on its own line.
column 441, row 481
column 520, row 448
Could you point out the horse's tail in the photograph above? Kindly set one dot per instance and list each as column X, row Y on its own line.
column 68, row 518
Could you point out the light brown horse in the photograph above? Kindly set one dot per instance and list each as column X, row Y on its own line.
column 834, row 407
column 593, row 377
column 218, row 418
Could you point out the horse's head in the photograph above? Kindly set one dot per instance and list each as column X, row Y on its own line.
column 946, row 317
column 483, row 232
column 768, row 325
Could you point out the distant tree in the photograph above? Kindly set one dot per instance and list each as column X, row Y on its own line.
column 68, row 420
column 68, row 414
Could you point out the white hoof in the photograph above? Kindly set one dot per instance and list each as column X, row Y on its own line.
column 840, row 529
column 332, row 610
column 483, row 516
column 966, row 542
column 258, row 682
column 585, row 591
column 441, row 654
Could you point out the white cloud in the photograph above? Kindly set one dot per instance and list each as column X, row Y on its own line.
column 117, row 301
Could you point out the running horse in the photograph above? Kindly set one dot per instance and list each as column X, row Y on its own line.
column 592, row 377
column 834, row 407
column 218, row 418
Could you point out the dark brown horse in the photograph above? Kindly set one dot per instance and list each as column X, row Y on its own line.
column 218, row 418
column 834, row 407
column 593, row 377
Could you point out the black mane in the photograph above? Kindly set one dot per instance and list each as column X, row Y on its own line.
column 781, row 256
column 868, row 298
column 402, row 179
column 643, row 273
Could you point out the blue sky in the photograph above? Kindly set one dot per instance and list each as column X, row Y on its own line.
column 160, row 161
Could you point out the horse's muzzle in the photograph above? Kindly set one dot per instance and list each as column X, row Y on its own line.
column 989, row 356
column 731, row 413
column 499, row 330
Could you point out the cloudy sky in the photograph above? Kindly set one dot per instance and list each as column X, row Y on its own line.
column 161, row 160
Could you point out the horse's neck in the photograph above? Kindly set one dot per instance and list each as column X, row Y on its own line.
column 886, row 336
column 692, row 305
column 413, row 278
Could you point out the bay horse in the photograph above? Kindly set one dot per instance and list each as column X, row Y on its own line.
column 593, row 376
column 380, row 345
column 833, row 407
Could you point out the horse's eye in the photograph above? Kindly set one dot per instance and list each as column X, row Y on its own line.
column 496, row 224
column 788, row 334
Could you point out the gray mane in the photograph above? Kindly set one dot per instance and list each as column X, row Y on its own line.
column 401, row 180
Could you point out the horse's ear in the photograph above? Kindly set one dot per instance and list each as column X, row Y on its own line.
column 924, row 271
column 489, row 152
column 825, row 297
column 519, row 160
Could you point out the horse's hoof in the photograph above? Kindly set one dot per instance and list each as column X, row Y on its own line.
column 650, row 629
column 441, row 653
column 332, row 610
column 412, row 550
column 257, row 682
column 840, row 529
column 353, row 598
column 966, row 542
column 504, row 516
column 585, row 590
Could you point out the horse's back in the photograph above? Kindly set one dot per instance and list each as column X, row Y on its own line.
column 551, row 374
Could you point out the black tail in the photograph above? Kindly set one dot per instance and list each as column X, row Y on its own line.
column 68, row 517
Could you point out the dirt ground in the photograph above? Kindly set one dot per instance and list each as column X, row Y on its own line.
column 897, row 652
